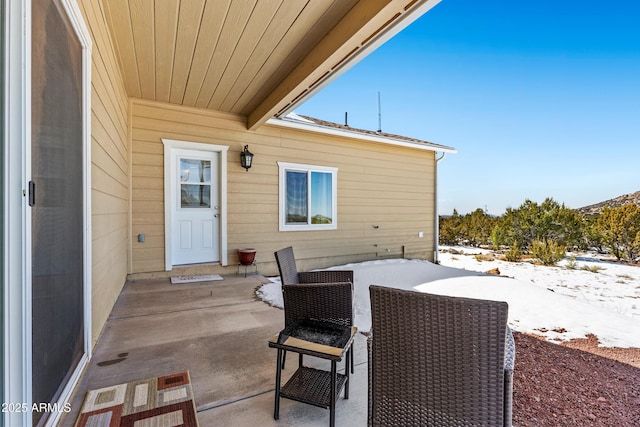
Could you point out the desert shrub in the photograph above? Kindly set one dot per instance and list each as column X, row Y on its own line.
column 514, row 254
column 472, row 229
column 476, row 227
column 592, row 268
column 532, row 221
column 592, row 237
column 547, row 251
column 572, row 264
column 449, row 229
column 620, row 230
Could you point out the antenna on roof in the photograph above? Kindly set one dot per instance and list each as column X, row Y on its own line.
column 379, row 115
column 346, row 118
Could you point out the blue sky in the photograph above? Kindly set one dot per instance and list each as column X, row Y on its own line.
column 541, row 99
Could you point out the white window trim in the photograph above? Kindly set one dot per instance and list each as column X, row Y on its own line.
column 169, row 146
column 283, row 168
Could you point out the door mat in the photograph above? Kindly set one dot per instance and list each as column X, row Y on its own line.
column 191, row 279
column 160, row 401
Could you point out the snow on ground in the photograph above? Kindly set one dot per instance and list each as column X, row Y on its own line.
column 554, row 302
column 593, row 278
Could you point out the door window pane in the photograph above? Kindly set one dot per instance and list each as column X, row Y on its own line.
column 195, row 196
column 195, row 183
column 193, row 170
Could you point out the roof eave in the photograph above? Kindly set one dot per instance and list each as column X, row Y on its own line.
column 292, row 92
column 354, row 134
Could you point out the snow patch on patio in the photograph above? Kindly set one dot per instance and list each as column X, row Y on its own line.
column 536, row 303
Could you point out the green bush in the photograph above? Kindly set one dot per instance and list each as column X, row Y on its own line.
column 472, row 229
column 531, row 221
column 572, row 264
column 450, row 229
column 514, row 254
column 547, row 251
column 619, row 228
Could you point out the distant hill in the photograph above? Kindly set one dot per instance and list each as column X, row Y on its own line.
column 618, row 201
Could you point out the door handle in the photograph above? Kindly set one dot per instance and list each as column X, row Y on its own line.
column 216, row 215
column 32, row 193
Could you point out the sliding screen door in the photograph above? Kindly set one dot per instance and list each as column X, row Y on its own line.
column 57, row 202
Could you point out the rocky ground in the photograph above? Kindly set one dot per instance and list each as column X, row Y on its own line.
column 618, row 201
column 575, row 384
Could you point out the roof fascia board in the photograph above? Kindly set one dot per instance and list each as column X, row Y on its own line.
column 303, row 83
column 400, row 24
column 316, row 128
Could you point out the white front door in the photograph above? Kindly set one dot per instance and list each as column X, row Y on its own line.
column 195, row 207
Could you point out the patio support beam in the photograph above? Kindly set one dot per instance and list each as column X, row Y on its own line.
column 365, row 27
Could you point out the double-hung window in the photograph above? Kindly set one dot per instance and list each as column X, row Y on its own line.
column 307, row 197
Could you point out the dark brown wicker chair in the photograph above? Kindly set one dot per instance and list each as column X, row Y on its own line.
column 438, row 361
column 320, row 314
column 289, row 275
column 328, row 302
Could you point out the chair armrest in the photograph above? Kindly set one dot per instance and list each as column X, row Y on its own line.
column 326, row 276
column 509, row 363
column 509, row 351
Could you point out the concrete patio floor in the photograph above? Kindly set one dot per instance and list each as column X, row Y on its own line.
column 217, row 331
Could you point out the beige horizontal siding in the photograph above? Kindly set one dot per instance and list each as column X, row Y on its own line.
column 109, row 170
column 386, row 186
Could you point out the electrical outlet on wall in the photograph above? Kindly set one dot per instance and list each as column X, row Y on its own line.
column 420, row 234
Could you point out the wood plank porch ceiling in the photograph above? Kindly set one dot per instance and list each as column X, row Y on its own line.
column 256, row 58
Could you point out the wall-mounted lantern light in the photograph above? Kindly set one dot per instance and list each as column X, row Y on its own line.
column 246, row 157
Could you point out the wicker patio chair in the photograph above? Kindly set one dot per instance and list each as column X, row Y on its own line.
column 319, row 323
column 289, row 275
column 327, row 302
column 438, row 361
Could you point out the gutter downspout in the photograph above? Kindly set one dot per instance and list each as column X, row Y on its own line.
column 436, row 231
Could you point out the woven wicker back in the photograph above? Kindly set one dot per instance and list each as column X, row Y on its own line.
column 331, row 302
column 436, row 360
column 287, row 266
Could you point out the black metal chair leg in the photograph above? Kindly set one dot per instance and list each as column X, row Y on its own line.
column 346, row 372
column 332, row 408
column 284, row 357
column 352, row 364
column 276, row 406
